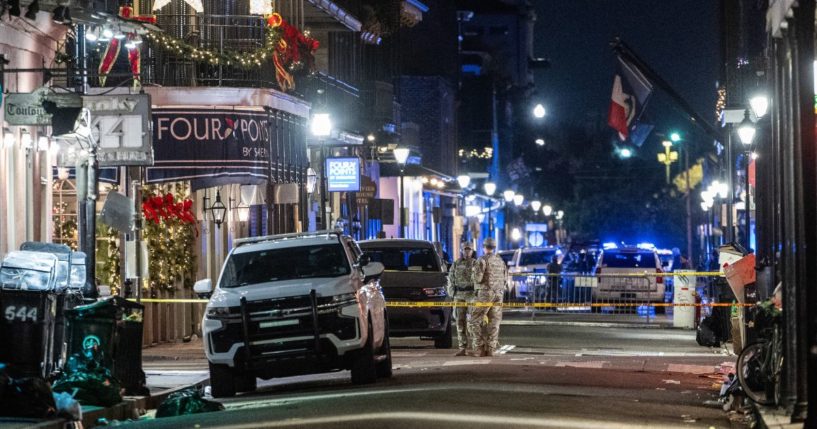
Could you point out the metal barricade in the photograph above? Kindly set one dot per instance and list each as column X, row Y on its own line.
column 645, row 297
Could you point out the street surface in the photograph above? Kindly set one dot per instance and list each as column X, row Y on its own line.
column 550, row 372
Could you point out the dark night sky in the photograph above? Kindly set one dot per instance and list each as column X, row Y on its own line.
column 678, row 38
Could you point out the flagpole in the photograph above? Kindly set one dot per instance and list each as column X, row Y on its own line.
column 622, row 49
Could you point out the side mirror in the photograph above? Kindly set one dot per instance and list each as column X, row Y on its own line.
column 203, row 288
column 363, row 260
column 372, row 270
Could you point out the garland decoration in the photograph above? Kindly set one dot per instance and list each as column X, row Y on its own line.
column 170, row 233
column 290, row 50
column 108, row 258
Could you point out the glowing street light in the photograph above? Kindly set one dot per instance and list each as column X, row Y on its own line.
column 508, row 195
column 760, row 105
column 535, row 205
column 518, row 199
column 539, row 111
column 490, row 188
column 463, row 180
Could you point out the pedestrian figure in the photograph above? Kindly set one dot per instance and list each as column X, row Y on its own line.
column 490, row 276
column 462, row 280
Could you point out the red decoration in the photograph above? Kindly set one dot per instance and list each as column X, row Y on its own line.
column 159, row 209
column 291, row 49
column 112, row 50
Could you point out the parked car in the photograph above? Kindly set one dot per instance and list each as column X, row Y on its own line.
column 624, row 264
column 530, row 260
column 295, row 304
column 414, row 271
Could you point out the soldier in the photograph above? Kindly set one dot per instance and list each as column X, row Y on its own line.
column 490, row 276
column 462, row 280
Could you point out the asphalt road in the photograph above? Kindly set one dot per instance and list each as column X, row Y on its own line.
column 555, row 375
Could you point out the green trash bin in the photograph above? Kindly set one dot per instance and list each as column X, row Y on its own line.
column 92, row 326
column 114, row 327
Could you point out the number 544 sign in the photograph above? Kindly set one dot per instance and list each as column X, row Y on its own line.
column 20, row 313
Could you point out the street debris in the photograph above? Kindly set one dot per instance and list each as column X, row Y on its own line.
column 186, row 402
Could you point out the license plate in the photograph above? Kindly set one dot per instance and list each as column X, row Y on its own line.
column 277, row 323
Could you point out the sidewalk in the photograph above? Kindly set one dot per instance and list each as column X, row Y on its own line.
column 774, row 418
column 192, row 350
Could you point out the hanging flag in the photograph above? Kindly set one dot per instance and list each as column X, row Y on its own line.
column 630, row 93
column 639, row 133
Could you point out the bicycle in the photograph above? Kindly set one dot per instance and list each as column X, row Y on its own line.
column 759, row 364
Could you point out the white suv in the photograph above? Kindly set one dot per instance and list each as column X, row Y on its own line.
column 526, row 261
column 295, row 304
column 629, row 274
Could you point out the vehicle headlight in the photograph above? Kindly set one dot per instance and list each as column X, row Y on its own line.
column 218, row 312
column 434, row 292
column 344, row 299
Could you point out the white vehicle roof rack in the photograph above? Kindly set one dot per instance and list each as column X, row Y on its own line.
column 293, row 235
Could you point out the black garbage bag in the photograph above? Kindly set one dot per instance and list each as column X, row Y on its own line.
column 92, row 382
column 187, row 401
column 707, row 335
column 28, row 397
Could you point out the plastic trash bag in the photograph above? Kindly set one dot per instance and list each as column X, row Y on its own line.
column 67, row 406
column 185, row 402
column 92, row 382
column 26, row 397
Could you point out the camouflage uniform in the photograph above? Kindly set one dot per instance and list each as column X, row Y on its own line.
column 462, row 274
column 489, row 283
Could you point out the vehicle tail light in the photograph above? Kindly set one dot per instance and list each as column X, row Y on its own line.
column 659, row 279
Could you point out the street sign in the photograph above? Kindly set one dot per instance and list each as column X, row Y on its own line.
column 121, row 127
column 367, row 191
column 343, row 174
column 27, row 108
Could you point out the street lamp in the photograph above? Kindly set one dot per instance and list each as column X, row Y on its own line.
column 625, row 153
column 760, row 105
column 463, row 180
column 518, row 199
column 508, row 195
column 535, row 205
column 321, row 127
column 539, row 111
column 746, row 133
column 746, row 129
column 547, row 210
column 668, row 157
column 401, row 155
column 217, row 210
column 490, row 189
column 540, row 141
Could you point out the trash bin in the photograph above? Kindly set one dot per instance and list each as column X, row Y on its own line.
column 26, row 331
column 114, row 326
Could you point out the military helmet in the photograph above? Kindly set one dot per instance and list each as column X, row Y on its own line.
column 466, row 245
column 489, row 243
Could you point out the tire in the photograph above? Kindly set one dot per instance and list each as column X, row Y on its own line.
column 750, row 373
column 384, row 368
column 222, row 382
column 246, row 383
column 446, row 340
column 364, row 369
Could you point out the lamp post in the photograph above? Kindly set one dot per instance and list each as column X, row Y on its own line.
column 668, row 157
column 217, row 210
column 675, row 138
column 507, row 195
column 321, row 127
column 401, row 155
column 746, row 133
column 490, row 189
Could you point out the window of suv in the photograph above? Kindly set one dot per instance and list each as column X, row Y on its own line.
column 613, row 259
column 269, row 265
column 394, row 259
column 536, row 258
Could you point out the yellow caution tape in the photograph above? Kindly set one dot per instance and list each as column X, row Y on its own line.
column 463, row 304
